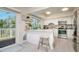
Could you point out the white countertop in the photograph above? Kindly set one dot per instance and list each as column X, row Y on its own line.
column 40, row 30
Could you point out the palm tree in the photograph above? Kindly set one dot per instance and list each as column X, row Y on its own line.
column 13, row 22
column 1, row 25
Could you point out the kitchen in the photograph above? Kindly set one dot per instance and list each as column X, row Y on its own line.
column 44, row 23
column 65, row 19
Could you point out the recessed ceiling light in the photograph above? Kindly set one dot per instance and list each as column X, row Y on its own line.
column 48, row 12
column 65, row 9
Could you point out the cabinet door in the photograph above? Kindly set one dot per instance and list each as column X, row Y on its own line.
column 33, row 37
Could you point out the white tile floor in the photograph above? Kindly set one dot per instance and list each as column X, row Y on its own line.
column 61, row 45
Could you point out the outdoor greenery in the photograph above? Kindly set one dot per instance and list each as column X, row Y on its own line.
column 36, row 23
column 1, row 23
column 7, row 23
column 7, row 26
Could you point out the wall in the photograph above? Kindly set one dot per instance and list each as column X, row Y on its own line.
column 20, row 28
column 69, row 20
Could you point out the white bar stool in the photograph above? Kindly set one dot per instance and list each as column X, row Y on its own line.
column 44, row 41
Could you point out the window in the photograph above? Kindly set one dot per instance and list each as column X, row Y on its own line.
column 7, row 24
column 36, row 24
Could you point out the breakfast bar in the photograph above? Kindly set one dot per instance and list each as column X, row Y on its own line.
column 33, row 36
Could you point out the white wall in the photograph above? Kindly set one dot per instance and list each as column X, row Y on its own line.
column 69, row 20
column 20, row 27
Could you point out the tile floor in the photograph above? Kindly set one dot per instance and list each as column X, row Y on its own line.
column 61, row 45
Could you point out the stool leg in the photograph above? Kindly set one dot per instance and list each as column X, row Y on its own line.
column 39, row 43
column 42, row 43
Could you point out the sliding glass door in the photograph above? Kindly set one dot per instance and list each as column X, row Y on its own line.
column 7, row 27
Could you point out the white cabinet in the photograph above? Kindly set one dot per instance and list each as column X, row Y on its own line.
column 34, row 36
column 70, row 33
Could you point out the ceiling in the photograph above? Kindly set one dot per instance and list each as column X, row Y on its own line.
column 27, row 10
column 40, row 11
column 53, row 10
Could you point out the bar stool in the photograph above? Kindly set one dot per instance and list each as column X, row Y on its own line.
column 44, row 42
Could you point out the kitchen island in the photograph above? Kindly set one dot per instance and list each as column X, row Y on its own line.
column 33, row 36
